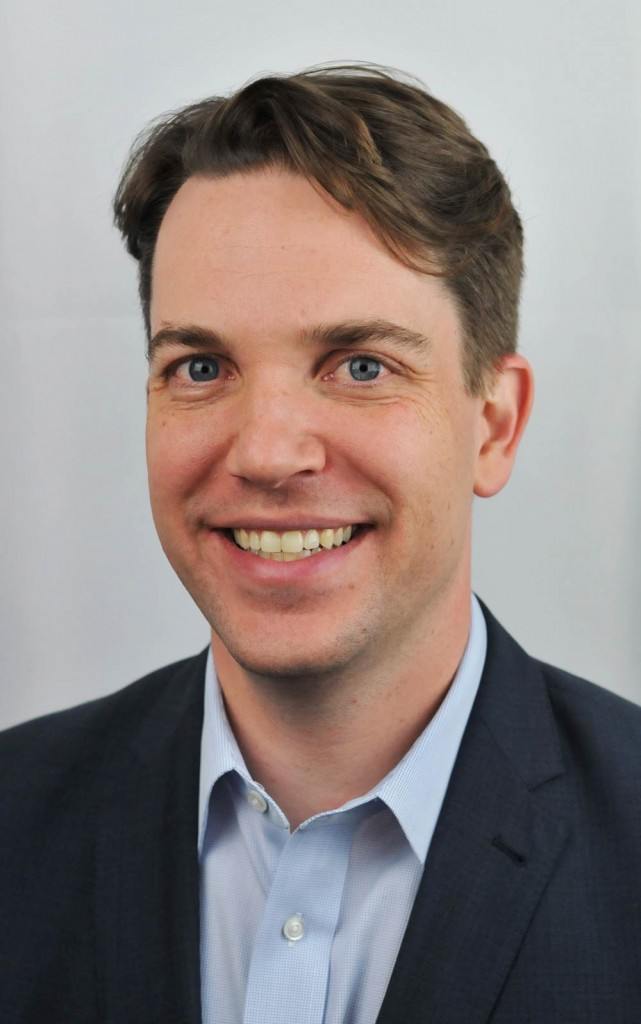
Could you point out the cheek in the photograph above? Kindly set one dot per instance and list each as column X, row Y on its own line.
column 179, row 453
column 409, row 447
column 425, row 465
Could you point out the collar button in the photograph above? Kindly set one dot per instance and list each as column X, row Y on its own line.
column 256, row 800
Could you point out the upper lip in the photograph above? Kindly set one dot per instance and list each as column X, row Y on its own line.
column 280, row 526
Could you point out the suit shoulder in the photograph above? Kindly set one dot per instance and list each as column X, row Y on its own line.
column 589, row 698
column 594, row 720
column 80, row 731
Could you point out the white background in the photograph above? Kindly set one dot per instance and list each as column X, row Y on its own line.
column 553, row 88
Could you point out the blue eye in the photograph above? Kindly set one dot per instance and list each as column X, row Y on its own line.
column 203, row 368
column 361, row 368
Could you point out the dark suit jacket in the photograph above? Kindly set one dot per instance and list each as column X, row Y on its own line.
column 528, row 911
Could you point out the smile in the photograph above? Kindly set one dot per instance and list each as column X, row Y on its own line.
column 292, row 545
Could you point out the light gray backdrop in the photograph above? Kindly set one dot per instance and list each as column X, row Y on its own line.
column 554, row 89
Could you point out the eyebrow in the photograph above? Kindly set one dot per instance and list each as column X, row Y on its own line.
column 349, row 334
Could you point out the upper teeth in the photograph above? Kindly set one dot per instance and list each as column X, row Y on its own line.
column 292, row 541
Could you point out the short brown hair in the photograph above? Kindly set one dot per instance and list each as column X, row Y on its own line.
column 380, row 146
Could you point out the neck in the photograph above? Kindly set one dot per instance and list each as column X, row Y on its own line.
column 311, row 744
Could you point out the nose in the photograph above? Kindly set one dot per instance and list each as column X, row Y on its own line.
column 276, row 435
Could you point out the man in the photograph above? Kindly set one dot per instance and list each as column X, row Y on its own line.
column 364, row 801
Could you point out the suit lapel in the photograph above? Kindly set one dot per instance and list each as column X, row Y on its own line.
column 147, row 883
column 501, row 831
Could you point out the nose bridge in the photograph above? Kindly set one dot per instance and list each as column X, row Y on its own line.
column 273, row 387
column 276, row 429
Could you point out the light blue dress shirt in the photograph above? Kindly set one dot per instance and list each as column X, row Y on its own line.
column 305, row 926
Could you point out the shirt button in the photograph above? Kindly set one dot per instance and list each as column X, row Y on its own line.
column 256, row 800
column 293, row 928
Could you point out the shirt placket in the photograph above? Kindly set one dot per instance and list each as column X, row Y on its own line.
column 289, row 969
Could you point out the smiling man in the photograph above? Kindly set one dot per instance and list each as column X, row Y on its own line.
column 363, row 801
column 312, row 459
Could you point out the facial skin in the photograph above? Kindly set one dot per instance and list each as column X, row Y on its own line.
column 285, row 431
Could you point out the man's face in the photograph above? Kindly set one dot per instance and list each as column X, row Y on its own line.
column 269, row 426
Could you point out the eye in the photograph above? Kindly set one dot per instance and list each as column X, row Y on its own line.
column 202, row 368
column 364, row 368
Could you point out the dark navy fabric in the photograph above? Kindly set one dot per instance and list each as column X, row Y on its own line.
column 528, row 912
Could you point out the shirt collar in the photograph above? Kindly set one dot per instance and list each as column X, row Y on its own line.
column 413, row 790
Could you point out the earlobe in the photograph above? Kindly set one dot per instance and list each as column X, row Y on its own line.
column 504, row 417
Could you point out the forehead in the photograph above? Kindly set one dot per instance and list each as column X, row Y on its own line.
column 268, row 214
column 268, row 246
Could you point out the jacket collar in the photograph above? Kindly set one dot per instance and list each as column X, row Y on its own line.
column 502, row 828
column 147, row 884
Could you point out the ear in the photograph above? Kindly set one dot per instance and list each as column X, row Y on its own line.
column 503, row 418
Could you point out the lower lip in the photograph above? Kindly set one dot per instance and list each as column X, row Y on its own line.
column 268, row 571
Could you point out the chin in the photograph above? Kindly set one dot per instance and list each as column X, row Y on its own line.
column 290, row 650
column 280, row 656
column 285, row 663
